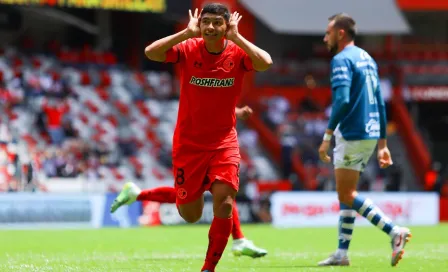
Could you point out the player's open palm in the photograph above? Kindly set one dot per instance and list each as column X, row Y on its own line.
column 384, row 157
column 193, row 25
column 232, row 31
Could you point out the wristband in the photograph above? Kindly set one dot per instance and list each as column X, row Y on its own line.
column 327, row 137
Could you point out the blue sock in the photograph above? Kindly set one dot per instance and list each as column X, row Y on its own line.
column 346, row 224
column 368, row 210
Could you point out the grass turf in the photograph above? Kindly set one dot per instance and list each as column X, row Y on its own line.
column 182, row 248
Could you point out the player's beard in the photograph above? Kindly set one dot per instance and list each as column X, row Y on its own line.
column 333, row 49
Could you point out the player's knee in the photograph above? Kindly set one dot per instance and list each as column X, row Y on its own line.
column 190, row 216
column 224, row 208
column 191, row 212
column 223, row 198
column 347, row 197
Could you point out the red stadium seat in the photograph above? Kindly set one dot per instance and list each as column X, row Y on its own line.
column 112, row 119
column 105, row 79
column 91, row 106
column 122, row 107
column 102, row 93
column 85, row 78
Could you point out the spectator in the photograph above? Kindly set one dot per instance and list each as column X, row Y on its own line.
column 55, row 109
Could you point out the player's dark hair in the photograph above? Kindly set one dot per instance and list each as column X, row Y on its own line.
column 345, row 22
column 217, row 9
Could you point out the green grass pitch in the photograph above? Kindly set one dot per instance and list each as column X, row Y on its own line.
column 182, row 248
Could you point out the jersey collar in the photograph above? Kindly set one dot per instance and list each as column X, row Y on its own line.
column 218, row 53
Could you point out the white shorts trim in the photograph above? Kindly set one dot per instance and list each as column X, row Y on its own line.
column 352, row 155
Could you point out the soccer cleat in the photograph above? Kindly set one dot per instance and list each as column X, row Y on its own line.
column 335, row 260
column 244, row 247
column 127, row 196
column 398, row 242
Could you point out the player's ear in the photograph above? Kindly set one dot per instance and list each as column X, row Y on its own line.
column 340, row 34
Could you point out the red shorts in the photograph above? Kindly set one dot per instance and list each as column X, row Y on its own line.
column 195, row 171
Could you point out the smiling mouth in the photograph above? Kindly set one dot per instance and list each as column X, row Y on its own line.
column 210, row 34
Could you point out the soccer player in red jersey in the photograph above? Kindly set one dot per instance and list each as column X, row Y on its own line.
column 241, row 245
column 205, row 145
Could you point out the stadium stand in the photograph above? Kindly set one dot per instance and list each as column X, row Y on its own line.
column 81, row 114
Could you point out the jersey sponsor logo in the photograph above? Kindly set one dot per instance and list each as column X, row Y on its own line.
column 339, row 77
column 340, row 69
column 360, row 64
column 373, row 128
column 212, row 82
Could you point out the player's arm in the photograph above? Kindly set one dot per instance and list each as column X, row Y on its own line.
column 157, row 51
column 384, row 156
column 383, row 117
column 339, row 108
column 341, row 79
column 261, row 60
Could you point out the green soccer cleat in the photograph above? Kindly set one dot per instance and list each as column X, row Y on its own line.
column 127, row 196
column 244, row 247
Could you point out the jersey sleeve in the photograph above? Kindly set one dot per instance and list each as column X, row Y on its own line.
column 175, row 54
column 341, row 73
column 246, row 62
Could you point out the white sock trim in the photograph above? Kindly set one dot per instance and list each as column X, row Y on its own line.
column 347, row 226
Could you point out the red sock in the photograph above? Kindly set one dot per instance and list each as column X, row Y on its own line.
column 237, row 233
column 218, row 236
column 160, row 194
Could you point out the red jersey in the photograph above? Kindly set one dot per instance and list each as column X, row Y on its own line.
column 55, row 114
column 210, row 85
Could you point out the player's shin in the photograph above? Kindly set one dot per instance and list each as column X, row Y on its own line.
column 237, row 233
column 218, row 236
column 346, row 224
column 160, row 194
column 371, row 212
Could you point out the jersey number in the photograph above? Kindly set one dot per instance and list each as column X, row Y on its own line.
column 180, row 179
column 372, row 84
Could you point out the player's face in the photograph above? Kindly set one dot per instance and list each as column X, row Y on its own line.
column 331, row 39
column 213, row 27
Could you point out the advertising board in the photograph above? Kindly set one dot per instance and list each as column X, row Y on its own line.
column 316, row 209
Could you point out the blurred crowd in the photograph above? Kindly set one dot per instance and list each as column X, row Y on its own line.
column 300, row 128
column 78, row 113
column 64, row 114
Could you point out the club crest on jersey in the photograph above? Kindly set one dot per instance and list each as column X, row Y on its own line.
column 212, row 82
column 228, row 64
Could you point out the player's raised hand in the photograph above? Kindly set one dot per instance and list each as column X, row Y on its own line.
column 232, row 30
column 384, row 157
column 243, row 113
column 323, row 152
column 193, row 25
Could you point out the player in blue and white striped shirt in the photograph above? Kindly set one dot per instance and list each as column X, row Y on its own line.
column 358, row 120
